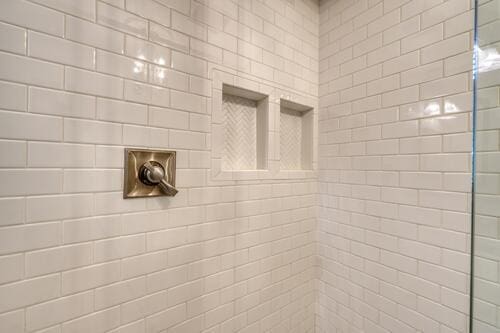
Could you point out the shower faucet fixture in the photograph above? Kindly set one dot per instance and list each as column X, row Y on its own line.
column 152, row 173
column 149, row 173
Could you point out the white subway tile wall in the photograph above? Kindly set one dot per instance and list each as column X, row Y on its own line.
column 82, row 79
column 487, row 212
column 394, row 166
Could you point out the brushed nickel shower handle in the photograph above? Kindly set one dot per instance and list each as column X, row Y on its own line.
column 167, row 188
column 152, row 173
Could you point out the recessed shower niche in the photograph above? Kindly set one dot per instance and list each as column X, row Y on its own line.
column 296, row 136
column 244, row 119
column 252, row 122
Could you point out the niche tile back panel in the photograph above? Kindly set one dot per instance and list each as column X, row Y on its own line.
column 296, row 136
column 240, row 133
column 291, row 139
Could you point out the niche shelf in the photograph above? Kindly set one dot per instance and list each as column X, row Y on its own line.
column 296, row 136
column 244, row 120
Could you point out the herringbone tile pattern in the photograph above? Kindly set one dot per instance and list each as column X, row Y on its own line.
column 290, row 139
column 240, row 121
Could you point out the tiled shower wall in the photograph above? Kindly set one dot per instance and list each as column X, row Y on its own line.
column 394, row 177
column 82, row 79
column 486, row 308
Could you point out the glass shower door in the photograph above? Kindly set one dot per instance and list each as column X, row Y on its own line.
column 485, row 259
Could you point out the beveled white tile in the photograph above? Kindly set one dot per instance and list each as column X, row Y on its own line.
column 92, row 180
column 222, row 39
column 401, row 30
column 12, row 268
column 446, row 48
column 33, row 16
column 87, row 131
column 136, row 135
column 185, row 139
column 442, row 12
column 30, row 71
column 13, row 96
column 115, row 248
column 13, row 321
column 118, row 111
column 401, row 96
column 160, row 96
column 198, row 122
column 16, row 150
column 206, row 51
column 57, row 207
column 93, row 34
column 458, row 64
column 92, row 228
column 401, row 63
column 421, row 109
column 29, row 292
column 168, row 37
column 56, row 102
column 168, row 118
column 93, row 83
column 168, row 78
column 422, row 73
column 447, row 124
column 25, row 238
column 14, row 211
column 58, row 311
column 147, row 51
column 188, row 64
column 12, row 39
column 84, row 8
column 16, row 125
column 89, row 277
column 151, row 10
column 120, row 292
column 447, row 86
column 118, row 19
column 422, row 38
column 116, row 3
column 188, row 26
column 209, row 16
column 188, row 102
column 120, row 66
column 52, row 155
column 109, row 157
column 58, row 259
column 459, row 24
column 143, row 93
column 179, row 5
column 104, row 320
column 113, row 203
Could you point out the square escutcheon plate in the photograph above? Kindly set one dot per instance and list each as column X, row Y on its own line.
column 133, row 187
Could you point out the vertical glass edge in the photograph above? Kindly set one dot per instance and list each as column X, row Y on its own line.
column 473, row 171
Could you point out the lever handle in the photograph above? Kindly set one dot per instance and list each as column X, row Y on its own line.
column 153, row 173
column 167, row 188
